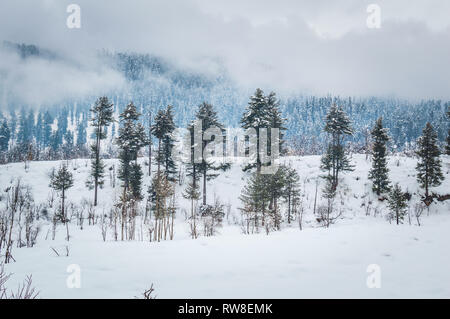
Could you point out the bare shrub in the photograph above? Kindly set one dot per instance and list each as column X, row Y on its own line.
column 148, row 294
column 19, row 201
column 193, row 224
column 212, row 216
column 150, row 229
column 24, row 290
column 299, row 209
column 418, row 210
column 327, row 215
column 31, row 231
column 249, row 222
column 104, row 226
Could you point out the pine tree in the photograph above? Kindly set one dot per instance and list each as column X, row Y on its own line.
column 31, row 126
column 131, row 139
column 47, row 129
column 68, row 144
column 136, row 175
column 256, row 116
column 81, row 139
column 62, row 181
column 291, row 191
column 158, row 130
column 261, row 195
column 168, row 143
column 192, row 193
column 56, row 139
column 39, row 129
column 5, row 135
column 379, row 172
column 81, row 134
column 207, row 117
column 255, row 199
column 337, row 125
column 192, row 166
column 25, row 131
column 329, row 193
column 447, row 147
column 276, row 121
column 13, row 124
column 275, row 184
column 162, row 129
column 397, row 204
column 162, row 190
column 263, row 112
column 429, row 165
column 102, row 116
column 149, row 125
column 63, row 121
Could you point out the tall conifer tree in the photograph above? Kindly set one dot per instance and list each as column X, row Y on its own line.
column 162, row 128
column 447, row 146
column 256, row 116
column 5, row 135
column 379, row 172
column 102, row 113
column 207, row 168
column 429, row 165
column 62, row 181
column 337, row 125
column 397, row 204
column 291, row 190
column 131, row 139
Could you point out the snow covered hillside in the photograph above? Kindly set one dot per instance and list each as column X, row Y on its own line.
column 291, row 263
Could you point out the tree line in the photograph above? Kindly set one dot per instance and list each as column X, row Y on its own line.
column 262, row 194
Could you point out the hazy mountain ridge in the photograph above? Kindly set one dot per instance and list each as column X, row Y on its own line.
column 153, row 82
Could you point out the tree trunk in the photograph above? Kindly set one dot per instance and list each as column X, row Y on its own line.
column 150, row 145
column 194, row 175
column 97, row 163
column 258, row 160
column 8, row 255
column 62, row 205
column 123, row 213
column 336, row 180
column 204, row 186
column 275, row 205
column 289, row 208
column 315, row 198
column 159, row 153
column 67, row 230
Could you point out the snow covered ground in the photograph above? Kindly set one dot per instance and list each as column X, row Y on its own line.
column 315, row 262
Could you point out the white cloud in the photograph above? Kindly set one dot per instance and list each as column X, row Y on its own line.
column 35, row 81
column 292, row 45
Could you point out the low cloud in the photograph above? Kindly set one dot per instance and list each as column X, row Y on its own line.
column 291, row 46
column 37, row 81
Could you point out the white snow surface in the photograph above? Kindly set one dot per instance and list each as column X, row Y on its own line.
column 314, row 262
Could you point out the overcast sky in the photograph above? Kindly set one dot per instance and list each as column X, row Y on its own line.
column 291, row 46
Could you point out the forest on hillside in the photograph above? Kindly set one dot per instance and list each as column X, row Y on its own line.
column 62, row 130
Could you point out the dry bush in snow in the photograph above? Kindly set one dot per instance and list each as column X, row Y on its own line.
column 24, row 290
